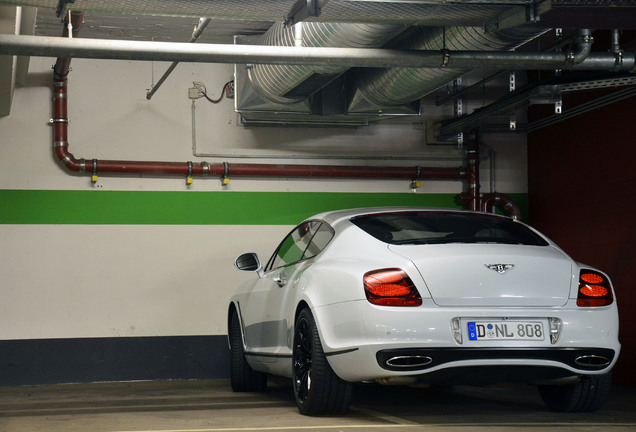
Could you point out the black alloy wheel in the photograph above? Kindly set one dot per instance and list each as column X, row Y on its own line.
column 302, row 360
column 317, row 389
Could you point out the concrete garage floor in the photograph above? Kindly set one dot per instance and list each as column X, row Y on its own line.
column 211, row 406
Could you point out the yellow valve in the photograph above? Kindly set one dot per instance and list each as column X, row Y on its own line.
column 94, row 178
column 225, row 181
column 189, row 180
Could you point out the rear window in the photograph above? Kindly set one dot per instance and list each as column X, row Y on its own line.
column 445, row 228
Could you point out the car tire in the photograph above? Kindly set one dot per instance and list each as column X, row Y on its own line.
column 317, row 389
column 242, row 377
column 587, row 395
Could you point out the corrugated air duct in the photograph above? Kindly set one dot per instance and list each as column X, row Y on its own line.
column 375, row 90
column 287, row 84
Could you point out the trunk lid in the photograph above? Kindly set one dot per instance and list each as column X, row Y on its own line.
column 492, row 274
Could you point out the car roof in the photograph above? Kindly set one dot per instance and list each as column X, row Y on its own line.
column 333, row 217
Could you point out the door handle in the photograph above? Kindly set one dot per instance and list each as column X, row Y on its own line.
column 281, row 279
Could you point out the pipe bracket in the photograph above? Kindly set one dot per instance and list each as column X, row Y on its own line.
column 569, row 60
column 225, row 180
column 416, row 183
column 94, row 171
column 60, row 78
column 445, row 57
column 58, row 120
column 67, row 159
column 619, row 61
column 189, row 179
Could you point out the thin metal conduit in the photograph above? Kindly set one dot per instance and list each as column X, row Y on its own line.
column 197, row 153
column 355, row 57
column 198, row 31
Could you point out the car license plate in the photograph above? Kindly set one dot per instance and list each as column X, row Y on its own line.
column 505, row 330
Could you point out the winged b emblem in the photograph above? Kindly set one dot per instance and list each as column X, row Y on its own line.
column 500, row 268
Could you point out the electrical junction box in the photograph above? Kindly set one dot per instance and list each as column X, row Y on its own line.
column 193, row 93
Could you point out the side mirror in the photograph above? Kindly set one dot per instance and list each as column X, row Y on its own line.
column 248, row 262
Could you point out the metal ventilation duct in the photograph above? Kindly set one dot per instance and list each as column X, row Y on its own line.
column 291, row 83
column 376, row 90
column 285, row 88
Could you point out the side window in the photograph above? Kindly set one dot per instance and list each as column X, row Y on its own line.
column 293, row 247
column 319, row 241
column 305, row 241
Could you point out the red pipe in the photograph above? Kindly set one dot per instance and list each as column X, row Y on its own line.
column 223, row 169
column 471, row 198
column 63, row 65
column 94, row 166
column 504, row 201
column 332, row 171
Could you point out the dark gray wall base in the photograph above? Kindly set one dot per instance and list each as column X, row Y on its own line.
column 53, row 361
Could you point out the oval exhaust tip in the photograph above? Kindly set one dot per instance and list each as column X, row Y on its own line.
column 412, row 361
column 592, row 361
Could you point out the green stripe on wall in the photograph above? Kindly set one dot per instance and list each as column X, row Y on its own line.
column 195, row 208
column 190, row 208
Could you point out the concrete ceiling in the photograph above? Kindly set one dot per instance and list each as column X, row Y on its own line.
column 101, row 25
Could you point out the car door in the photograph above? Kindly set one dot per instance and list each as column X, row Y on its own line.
column 264, row 307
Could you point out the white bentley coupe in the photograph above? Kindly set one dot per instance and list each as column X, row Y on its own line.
column 400, row 295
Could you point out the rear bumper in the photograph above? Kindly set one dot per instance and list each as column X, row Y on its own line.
column 423, row 359
column 354, row 334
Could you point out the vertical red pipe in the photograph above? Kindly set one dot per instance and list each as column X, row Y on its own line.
column 63, row 65
column 471, row 198
column 60, row 119
column 60, row 114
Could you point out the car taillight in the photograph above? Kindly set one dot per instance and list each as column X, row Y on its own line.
column 390, row 287
column 594, row 289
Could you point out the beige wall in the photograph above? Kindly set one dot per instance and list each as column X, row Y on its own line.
column 66, row 281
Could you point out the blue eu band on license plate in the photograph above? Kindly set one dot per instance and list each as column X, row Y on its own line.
column 505, row 330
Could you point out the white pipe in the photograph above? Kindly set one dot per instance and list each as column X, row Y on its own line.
column 353, row 57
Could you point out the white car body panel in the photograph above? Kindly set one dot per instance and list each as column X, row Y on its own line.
column 454, row 283
column 457, row 275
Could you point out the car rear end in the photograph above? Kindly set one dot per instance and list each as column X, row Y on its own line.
column 470, row 297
